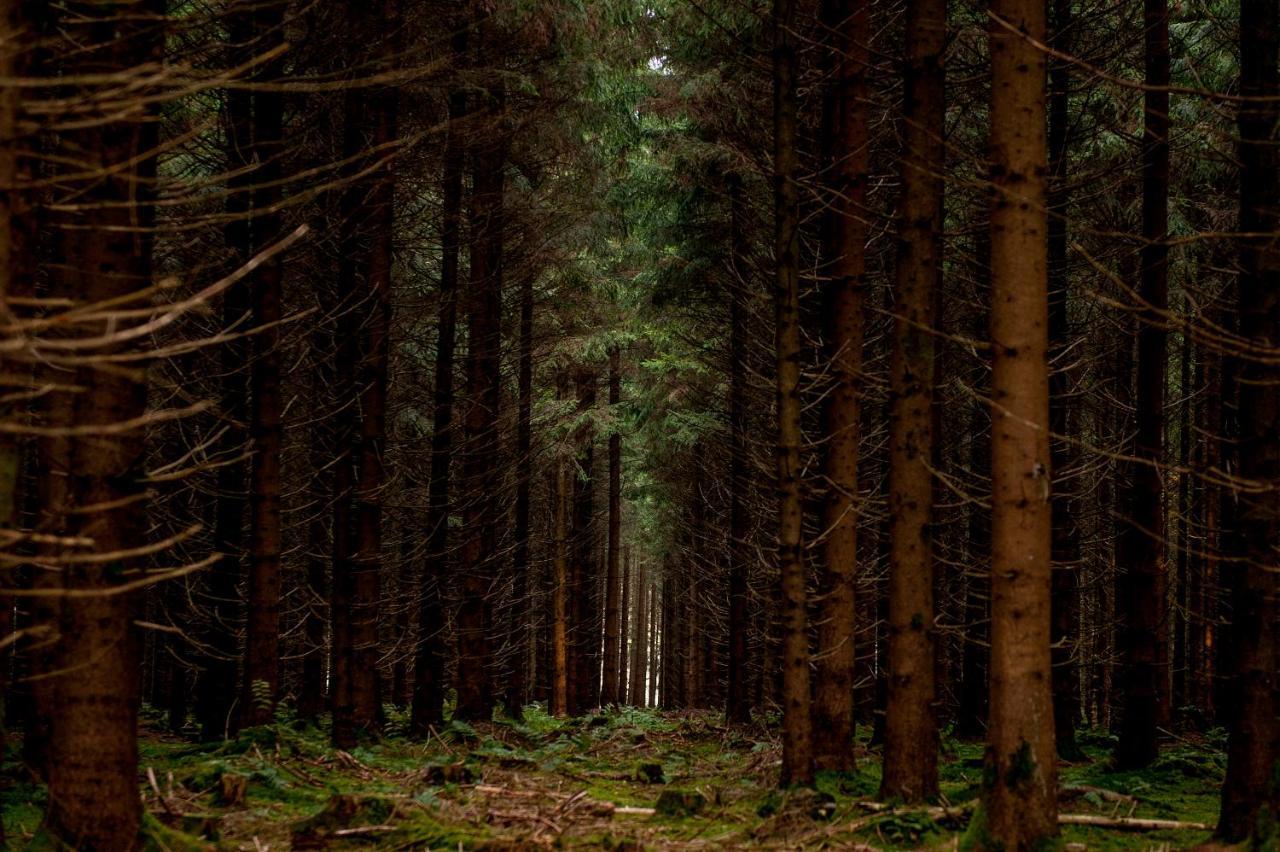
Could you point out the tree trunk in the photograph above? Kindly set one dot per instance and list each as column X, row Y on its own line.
column 624, row 623
column 582, row 569
column 364, row 284
column 1066, row 533
column 518, row 685
column 1142, row 592
column 844, row 25
column 640, row 640
column 797, row 737
column 480, row 418
column 428, row 684
column 255, row 149
column 911, row 726
column 1250, row 794
column 1019, row 796
column 93, row 766
column 738, row 697
column 560, row 594
column 609, row 692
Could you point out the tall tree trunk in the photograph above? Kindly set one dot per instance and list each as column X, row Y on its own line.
column 625, row 605
column 560, row 583
column 518, row 685
column 480, row 418
column 256, row 131
column 797, row 732
column 845, row 32
column 613, row 591
column 738, row 696
column 364, row 349
column 1066, row 532
column 582, row 568
column 1019, row 795
column 428, row 684
column 1143, row 582
column 1251, row 794
column 93, row 766
column 640, row 640
column 911, row 726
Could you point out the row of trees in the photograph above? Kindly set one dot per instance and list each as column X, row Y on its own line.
column 421, row 355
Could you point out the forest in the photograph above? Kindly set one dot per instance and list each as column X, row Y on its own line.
column 639, row 424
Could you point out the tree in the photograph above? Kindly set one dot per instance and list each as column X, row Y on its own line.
column 1019, row 795
column 480, row 418
column 1145, row 631
column 797, row 736
column 738, row 702
column 1250, row 794
column 910, row 727
column 1066, row 527
column 257, row 118
column 93, row 766
column 364, row 275
column 613, row 579
column 428, row 685
column 845, row 27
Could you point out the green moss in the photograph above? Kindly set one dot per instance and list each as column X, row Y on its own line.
column 1022, row 768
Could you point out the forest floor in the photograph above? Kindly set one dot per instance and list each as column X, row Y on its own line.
column 627, row 779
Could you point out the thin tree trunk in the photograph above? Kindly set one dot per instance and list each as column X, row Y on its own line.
column 480, row 420
column 428, row 685
column 1250, row 794
column 560, row 593
column 609, row 693
column 582, row 569
column 911, row 726
column 797, row 733
column 640, row 640
column 1145, row 629
column 1019, row 796
column 738, row 698
column 518, row 685
column 257, row 128
column 624, row 623
column 1066, row 532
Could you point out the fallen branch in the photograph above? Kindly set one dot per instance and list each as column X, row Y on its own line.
column 1131, row 823
column 363, row 829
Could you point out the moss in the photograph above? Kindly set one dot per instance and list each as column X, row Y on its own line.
column 158, row 837
column 977, row 835
column 1022, row 768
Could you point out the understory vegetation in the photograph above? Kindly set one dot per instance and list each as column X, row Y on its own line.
column 617, row 779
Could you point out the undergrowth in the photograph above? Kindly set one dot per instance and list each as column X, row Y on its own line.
column 545, row 782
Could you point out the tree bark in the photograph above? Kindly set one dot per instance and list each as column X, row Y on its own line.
column 845, row 31
column 613, row 590
column 255, row 150
column 428, row 684
column 1250, row 793
column 480, row 418
column 797, row 736
column 1019, row 795
column 738, row 697
column 911, row 726
column 560, row 593
column 93, row 766
column 1066, row 533
column 364, row 348
column 518, row 685
column 1143, row 581
column 640, row 640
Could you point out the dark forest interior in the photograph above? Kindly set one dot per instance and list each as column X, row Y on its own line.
column 639, row 424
